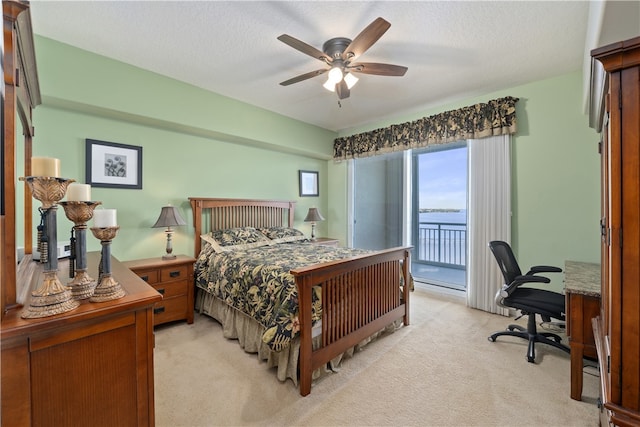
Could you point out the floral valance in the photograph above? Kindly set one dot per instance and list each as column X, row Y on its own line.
column 495, row 117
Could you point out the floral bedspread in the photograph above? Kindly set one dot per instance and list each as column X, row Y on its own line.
column 257, row 282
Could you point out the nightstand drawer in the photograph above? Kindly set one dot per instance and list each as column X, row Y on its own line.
column 173, row 279
column 177, row 272
column 172, row 289
column 149, row 276
column 170, row 309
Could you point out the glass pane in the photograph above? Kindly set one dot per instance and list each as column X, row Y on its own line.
column 440, row 215
column 378, row 209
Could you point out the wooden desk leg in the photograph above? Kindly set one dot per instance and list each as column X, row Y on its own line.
column 577, row 353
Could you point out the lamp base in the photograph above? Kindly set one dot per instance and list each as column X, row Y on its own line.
column 168, row 256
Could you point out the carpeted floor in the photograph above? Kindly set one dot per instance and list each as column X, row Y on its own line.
column 439, row 371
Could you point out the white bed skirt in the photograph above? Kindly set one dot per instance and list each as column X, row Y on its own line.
column 237, row 325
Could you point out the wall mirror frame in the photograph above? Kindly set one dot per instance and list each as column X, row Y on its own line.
column 20, row 94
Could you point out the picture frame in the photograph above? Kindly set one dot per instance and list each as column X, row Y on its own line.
column 113, row 165
column 308, row 181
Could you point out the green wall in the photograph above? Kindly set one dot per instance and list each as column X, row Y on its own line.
column 194, row 143
column 555, row 175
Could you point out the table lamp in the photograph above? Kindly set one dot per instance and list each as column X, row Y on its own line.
column 313, row 216
column 169, row 217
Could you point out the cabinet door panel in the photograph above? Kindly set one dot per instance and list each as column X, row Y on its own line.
column 94, row 376
column 630, row 294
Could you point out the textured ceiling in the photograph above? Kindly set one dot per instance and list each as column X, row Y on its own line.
column 453, row 49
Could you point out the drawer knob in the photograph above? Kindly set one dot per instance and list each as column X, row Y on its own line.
column 161, row 290
column 145, row 278
column 158, row 310
column 174, row 274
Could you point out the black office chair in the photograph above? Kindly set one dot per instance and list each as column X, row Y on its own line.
column 530, row 301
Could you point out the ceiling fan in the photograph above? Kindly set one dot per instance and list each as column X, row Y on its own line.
column 339, row 54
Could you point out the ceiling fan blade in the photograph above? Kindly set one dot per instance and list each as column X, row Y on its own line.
column 377, row 69
column 342, row 90
column 365, row 39
column 304, row 48
column 302, row 77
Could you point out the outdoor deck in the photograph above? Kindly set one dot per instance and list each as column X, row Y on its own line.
column 440, row 256
column 438, row 275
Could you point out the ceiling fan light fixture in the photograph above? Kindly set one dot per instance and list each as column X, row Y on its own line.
column 329, row 85
column 335, row 75
column 350, row 80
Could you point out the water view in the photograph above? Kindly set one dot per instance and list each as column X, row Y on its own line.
column 458, row 216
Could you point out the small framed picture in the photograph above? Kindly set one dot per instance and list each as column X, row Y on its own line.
column 113, row 165
column 308, row 183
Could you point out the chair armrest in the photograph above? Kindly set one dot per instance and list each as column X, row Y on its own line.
column 520, row 280
column 544, row 269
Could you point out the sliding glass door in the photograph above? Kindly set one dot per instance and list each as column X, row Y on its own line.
column 378, row 207
column 417, row 198
column 439, row 213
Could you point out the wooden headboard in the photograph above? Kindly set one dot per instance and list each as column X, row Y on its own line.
column 218, row 214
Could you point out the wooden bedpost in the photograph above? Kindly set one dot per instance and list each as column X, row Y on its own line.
column 196, row 208
column 305, row 291
column 408, row 284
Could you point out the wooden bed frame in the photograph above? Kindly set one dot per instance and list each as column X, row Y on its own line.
column 360, row 295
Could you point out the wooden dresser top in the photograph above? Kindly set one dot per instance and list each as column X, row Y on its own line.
column 138, row 295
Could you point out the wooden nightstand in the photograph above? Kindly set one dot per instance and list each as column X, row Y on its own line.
column 174, row 280
column 327, row 241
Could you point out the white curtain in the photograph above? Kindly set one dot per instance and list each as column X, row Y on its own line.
column 489, row 217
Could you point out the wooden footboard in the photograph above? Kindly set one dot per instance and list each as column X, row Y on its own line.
column 360, row 296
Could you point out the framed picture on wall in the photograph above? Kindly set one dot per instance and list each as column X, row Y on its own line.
column 308, row 183
column 113, row 165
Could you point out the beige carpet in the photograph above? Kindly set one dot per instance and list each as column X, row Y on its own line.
column 439, row 371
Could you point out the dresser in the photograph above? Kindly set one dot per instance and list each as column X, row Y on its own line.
column 617, row 328
column 89, row 366
column 173, row 279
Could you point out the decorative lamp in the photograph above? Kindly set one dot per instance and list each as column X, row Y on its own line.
column 313, row 216
column 169, row 217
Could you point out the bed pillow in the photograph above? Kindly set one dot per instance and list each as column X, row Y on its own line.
column 282, row 234
column 237, row 238
column 207, row 248
column 210, row 242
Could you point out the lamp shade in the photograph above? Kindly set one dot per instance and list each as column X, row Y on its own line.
column 313, row 215
column 169, row 217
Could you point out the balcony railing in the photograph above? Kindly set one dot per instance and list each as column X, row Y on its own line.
column 442, row 243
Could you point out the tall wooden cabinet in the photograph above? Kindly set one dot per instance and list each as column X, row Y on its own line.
column 617, row 328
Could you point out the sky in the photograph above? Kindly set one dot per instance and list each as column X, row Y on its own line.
column 443, row 179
